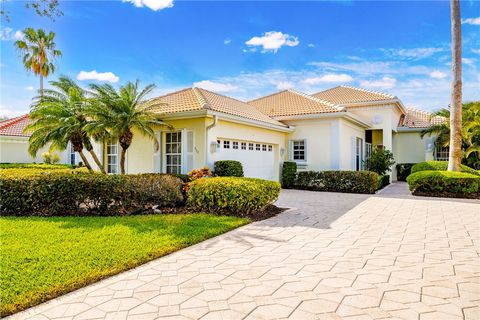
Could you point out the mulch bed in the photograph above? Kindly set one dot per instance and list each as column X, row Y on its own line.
column 447, row 195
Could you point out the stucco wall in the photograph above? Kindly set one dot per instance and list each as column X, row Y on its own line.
column 15, row 150
column 350, row 132
column 409, row 147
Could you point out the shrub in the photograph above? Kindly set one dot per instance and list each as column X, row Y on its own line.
column 199, row 173
column 62, row 194
column 184, row 177
column 41, row 166
column 438, row 183
column 228, row 168
column 338, row 181
column 383, row 181
column 289, row 172
column 440, row 166
column 32, row 171
column 404, row 170
column 232, row 194
column 380, row 161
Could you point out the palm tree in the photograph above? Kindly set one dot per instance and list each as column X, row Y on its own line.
column 120, row 112
column 38, row 49
column 58, row 118
column 455, row 154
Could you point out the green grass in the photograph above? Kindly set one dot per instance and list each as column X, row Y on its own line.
column 42, row 258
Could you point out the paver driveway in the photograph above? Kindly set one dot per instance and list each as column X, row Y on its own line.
column 337, row 256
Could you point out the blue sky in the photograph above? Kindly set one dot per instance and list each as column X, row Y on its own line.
column 247, row 49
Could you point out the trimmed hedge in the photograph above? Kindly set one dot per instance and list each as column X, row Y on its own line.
column 38, row 166
column 289, row 172
column 383, row 181
column 232, row 194
column 440, row 166
column 338, row 181
column 404, row 170
column 439, row 183
column 63, row 194
column 34, row 171
column 228, row 168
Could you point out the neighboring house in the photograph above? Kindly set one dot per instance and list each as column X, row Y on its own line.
column 335, row 129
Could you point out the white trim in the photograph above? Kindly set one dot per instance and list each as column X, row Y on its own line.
column 291, row 152
column 117, row 155
column 395, row 101
column 406, row 129
column 255, row 123
column 343, row 114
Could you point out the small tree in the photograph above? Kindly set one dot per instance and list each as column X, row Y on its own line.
column 380, row 161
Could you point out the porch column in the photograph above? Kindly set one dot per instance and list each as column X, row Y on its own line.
column 388, row 142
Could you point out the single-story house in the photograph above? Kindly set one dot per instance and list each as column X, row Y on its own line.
column 334, row 129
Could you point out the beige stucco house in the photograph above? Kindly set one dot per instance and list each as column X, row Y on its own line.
column 335, row 129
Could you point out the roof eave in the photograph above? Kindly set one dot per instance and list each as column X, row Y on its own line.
column 256, row 123
column 326, row 115
column 395, row 101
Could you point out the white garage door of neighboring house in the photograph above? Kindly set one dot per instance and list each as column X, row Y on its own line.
column 257, row 159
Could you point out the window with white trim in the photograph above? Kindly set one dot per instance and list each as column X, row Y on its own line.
column 72, row 155
column 257, row 147
column 264, row 147
column 270, row 147
column 298, row 150
column 173, row 152
column 243, row 146
column 226, row 144
column 250, row 146
column 112, row 157
column 358, row 154
column 235, row 145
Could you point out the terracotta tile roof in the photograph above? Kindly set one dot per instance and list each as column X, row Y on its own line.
column 344, row 95
column 416, row 118
column 14, row 126
column 291, row 102
column 192, row 99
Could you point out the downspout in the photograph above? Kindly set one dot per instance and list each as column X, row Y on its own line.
column 207, row 146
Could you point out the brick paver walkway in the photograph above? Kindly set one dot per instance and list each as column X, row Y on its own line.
column 337, row 256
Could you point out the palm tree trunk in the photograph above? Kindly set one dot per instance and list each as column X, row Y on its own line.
column 85, row 161
column 41, row 85
column 455, row 154
column 122, row 161
column 97, row 162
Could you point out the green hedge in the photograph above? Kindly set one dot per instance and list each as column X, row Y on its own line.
column 63, row 194
column 338, row 181
column 228, row 168
column 232, row 194
column 38, row 166
column 404, row 170
column 438, row 183
column 383, row 181
column 289, row 172
column 440, row 166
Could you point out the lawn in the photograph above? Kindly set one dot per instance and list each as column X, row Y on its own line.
column 42, row 258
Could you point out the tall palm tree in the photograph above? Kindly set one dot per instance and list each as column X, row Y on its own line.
column 120, row 112
column 455, row 154
column 58, row 118
column 39, row 51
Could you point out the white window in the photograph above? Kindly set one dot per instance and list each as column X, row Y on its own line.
column 250, row 146
column 72, row 155
column 270, row 147
column 244, row 146
column 298, row 150
column 264, row 147
column 441, row 153
column 173, row 152
column 257, row 147
column 112, row 157
column 358, row 154
column 226, row 144
column 234, row 145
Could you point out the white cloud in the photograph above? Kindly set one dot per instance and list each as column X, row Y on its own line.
column 437, row 74
column 155, row 5
column 311, row 45
column 477, row 51
column 98, row 76
column 413, row 53
column 384, row 83
column 215, row 86
column 29, row 88
column 10, row 112
column 272, row 41
column 7, row 34
column 284, row 85
column 468, row 61
column 227, row 41
column 474, row 21
column 329, row 78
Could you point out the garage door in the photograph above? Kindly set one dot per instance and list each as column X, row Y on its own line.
column 257, row 158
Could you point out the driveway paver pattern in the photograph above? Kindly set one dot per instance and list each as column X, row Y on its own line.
column 332, row 256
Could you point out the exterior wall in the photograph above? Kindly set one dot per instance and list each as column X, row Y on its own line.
column 15, row 150
column 350, row 132
column 410, row 147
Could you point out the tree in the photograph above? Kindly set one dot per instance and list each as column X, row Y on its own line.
column 43, row 8
column 38, row 49
column 120, row 112
column 58, row 118
column 455, row 154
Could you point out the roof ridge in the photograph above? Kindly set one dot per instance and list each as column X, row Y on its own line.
column 305, row 95
column 369, row 91
column 222, row 95
column 201, row 98
column 12, row 121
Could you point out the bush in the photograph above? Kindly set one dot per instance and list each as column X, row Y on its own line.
column 184, row 177
column 42, row 166
column 199, row 173
column 232, row 194
column 289, row 172
column 50, row 158
column 228, row 168
column 62, row 194
column 337, row 181
column 438, row 183
column 380, row 161
column 383, row 181
column 404, row 170
column 32, row 171
column 440, row 166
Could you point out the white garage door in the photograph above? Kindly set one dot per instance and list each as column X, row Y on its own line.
column 257, row 159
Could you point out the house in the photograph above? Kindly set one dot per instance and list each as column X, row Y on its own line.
column 334, row 129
